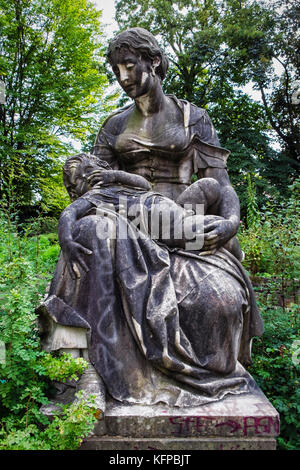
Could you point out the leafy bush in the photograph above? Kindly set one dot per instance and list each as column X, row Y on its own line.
column 271, row 244
column 276, row 369
column 271, row 239
column 27, row 264
column 65, row 431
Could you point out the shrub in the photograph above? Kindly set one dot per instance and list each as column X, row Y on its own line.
column 27, row 264
column 66, row 431
column 271, row 244
column 276, row 369
column 271, row 239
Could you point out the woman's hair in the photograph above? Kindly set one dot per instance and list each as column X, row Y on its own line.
column 85, row 160
column 142, row 41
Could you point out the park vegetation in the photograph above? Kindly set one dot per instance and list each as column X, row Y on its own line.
column 56, row 96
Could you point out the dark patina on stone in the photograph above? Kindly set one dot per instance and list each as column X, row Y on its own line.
column 166, row 323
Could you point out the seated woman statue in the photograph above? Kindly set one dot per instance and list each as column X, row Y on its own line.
column 159, row 320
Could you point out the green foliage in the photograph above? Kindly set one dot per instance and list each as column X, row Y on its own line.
column 264, row 40
column 25, row 370
column 276, row 371
column 253, row 216
column 51, row 64
column 66, row 430
column 272, row 253
column 271, row 239
column 62, row 368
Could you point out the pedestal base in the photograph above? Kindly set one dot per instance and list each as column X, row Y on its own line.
column 238, row 422
column 197, row 443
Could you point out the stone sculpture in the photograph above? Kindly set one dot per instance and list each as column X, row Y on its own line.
column 160, row 320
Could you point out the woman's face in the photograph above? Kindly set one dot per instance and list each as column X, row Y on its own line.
column 133, row 72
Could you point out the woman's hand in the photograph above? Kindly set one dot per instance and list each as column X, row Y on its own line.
column 217, row 233
column 73, row 253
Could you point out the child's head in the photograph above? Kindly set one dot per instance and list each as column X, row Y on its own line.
column 78, row 171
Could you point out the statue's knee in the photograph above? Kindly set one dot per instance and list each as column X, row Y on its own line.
column 229, row 306
column 205, row 191
column 94, row 228
column 105, row 228
column 211, row 190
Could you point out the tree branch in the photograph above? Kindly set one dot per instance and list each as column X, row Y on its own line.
column 269, row 114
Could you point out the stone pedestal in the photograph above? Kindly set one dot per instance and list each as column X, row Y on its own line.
column 238, row 422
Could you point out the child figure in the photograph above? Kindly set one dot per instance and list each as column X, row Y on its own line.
column 207, row 191
column 92, row 181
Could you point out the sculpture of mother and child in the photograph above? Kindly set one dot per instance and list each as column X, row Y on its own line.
column 165, row 317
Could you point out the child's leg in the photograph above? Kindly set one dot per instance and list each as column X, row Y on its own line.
column 205, row 191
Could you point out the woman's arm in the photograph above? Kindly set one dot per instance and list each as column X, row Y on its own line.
column 102, row 147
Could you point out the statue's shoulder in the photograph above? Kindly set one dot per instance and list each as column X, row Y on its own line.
column 115, row 120
column 191, row 112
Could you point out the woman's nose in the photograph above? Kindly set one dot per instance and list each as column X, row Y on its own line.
column 123, row 74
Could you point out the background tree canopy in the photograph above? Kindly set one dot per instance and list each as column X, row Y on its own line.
column 50, row 63
column 217, row 47
column 57, row 94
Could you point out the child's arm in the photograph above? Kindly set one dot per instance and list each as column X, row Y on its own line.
column 119, row 176
column 73, row 251
column 131, row 180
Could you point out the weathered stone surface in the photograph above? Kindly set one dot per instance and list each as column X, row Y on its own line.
column 169, row 313
column 247, row 421
column 122, row 443
column 157, row 287
column 244, row 415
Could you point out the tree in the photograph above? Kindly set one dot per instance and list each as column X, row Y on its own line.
column 215, row 48
column 265, row 38
column 50, row 63
column 206, row 70
column 191, row 35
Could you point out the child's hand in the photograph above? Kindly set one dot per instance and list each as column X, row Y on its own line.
column 102, row 176
column 74, row 256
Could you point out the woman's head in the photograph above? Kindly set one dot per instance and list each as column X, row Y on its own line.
column 78, row 172
column 142, row 42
